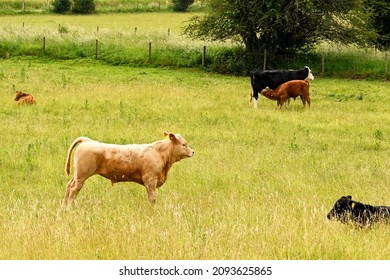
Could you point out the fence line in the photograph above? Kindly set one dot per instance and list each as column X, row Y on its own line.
column 323, row 64
column 149, row 49
column 204, row 56
column 97, row 49
column 150, row 52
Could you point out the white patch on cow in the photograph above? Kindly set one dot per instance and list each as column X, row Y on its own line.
column 310, row 76
column 254, row 103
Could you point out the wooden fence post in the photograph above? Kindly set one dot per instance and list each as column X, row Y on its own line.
column 150, row 52
column 386, row 63
column 204, row 56
column 96, row 48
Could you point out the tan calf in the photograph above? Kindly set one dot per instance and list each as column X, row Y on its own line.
column 145, row 164
column 290, row 89
column 24, row 98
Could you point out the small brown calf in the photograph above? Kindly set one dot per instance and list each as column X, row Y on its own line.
column 24, row 98
column 290, row 89
column 145, row 164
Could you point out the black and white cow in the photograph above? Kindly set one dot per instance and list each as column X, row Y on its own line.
column 261, row 79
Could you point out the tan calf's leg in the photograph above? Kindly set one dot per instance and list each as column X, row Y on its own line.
column 66, row 197
column 151, row 190
column 152, row 196
column 72, row 189
column 150, row 183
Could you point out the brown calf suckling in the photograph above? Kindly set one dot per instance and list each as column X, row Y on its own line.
column 290, row 89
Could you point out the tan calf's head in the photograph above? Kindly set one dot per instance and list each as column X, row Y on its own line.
column 181, row 148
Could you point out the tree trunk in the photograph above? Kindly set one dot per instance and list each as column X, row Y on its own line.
column 253, row 48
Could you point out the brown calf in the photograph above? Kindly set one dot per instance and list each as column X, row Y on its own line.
column 145, row 164
column 290, row 89
column 24, row 98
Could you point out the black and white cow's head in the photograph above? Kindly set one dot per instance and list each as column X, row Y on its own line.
column 309, row 73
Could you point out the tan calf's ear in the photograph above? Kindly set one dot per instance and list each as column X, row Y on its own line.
column 170, row 136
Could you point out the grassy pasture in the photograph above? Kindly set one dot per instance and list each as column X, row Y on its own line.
column 259, row 186
column 123, row 38
column 102, row 6
column 146, row 22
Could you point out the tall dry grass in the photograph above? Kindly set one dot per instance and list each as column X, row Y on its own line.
column 259, row 186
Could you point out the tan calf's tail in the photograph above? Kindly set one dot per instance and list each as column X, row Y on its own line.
column 74, row 144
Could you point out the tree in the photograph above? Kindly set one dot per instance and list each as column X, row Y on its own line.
column 281, row 25
column 83, row 6
column 380, row 18
column 181, row 5
column 61, row 6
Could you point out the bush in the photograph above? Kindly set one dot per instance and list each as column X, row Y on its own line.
column 228, row 61
column 61, row 6
column 83, row 6
column 181, row 5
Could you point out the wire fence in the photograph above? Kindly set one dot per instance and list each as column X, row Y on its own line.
column 328, row 61
column 352, row 62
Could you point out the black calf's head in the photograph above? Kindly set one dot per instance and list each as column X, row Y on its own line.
column 342, row 209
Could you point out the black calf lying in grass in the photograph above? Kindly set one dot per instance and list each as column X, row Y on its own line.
column 347, row 210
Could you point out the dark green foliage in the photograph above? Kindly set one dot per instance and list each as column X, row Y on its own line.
column 62, row 6
column 380, row 10
column 83, row 6
column 281, row 25
column 228, row 61
column 181, row 5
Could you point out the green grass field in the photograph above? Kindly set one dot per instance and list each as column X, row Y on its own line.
column 259, row 186
column 102, row 6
